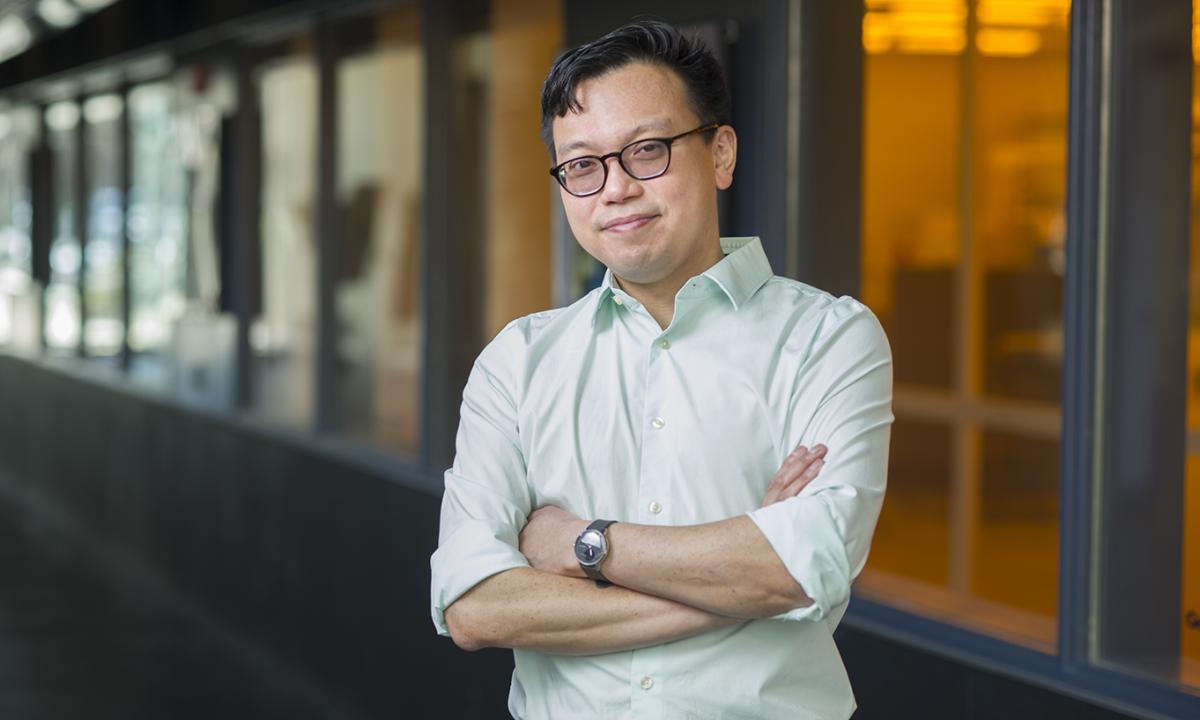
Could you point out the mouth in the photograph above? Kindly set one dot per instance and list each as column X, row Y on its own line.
column 628, row 223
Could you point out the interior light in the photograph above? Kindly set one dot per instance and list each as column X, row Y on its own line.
column 922, row 27
column 62, row 115
column 102, row 108
column 1008, row 42
column 14, row 37
column 949, row 44
column 58, row 13
column 93, row 5
column 6, row 311
column 1023, row 13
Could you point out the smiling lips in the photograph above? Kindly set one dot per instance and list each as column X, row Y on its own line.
column 627, row 223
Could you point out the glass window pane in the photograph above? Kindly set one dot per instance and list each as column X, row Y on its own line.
column 62, row 319
column 508, row 64
column 157, row 219
column 104, row 326
column 912, row 536
column 966, row 277
column 18, row 293
column 379, row 193
column 283, row 337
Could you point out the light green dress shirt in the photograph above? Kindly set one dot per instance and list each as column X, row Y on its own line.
column 596, row 409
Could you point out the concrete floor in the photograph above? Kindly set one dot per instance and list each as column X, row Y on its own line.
column 77, row 641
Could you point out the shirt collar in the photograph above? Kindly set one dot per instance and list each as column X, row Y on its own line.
column 744, row 269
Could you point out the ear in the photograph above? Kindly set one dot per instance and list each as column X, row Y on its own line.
column 724, row 150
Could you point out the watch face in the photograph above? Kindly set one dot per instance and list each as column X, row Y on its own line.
column 590, row 547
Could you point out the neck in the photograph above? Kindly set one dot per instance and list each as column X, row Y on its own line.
column 659, row 297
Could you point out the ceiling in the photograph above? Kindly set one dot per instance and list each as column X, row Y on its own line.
column 25, row 22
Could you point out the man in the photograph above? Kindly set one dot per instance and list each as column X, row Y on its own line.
column 664, row 400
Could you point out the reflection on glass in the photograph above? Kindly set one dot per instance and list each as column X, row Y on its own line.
column 18, row 300
column 967, row 278
column 104, row 326
column 378, row 332
column 62, row 318
column 283, row 337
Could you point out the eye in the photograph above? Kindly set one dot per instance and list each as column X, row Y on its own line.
column 650, row 148
column 582, row 165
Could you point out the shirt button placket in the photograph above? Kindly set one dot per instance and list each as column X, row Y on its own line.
column 645, row 684
column 645, row 671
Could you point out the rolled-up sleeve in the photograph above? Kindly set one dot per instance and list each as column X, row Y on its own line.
column 843, row 399
column 486, row 500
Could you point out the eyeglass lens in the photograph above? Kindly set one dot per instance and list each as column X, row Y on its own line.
column 642, row 160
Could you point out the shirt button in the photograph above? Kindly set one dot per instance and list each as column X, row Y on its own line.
column 617, row 299
column 655, row 507
column 664, row 343
column 657, row 423
column 647, row 682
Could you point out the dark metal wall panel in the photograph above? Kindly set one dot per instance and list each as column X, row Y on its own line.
column 893, row 681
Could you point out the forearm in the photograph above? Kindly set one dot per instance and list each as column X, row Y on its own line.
column 534, row 610
column 725, row 567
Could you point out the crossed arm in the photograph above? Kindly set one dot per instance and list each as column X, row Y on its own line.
column 669, row 582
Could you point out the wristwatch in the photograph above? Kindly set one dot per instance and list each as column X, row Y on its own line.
column 591, row 547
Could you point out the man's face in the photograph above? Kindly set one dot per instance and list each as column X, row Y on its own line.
column 646, row 231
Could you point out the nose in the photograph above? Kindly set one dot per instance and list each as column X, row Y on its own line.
column 619, row 185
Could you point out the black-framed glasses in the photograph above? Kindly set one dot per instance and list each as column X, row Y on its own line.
column 641, row 159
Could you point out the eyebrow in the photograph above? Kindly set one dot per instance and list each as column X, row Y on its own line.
column 659, row 125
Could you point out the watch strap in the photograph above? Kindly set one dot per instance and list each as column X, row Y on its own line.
column 594, row 572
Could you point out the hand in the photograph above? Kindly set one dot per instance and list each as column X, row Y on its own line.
column 798, row 470
column 548, row 541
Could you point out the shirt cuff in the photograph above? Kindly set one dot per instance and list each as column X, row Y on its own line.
column 474, row 552
column 805, row 536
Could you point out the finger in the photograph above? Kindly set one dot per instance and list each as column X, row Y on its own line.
column 798, row 462
column 793, row 488
column 782, row 476
column 798, row 480
column 798, row 465
column 794, row 464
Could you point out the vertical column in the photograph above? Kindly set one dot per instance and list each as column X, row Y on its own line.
column 965, row 468
column 325, row 417
column 41, row 176
column 125, row 178
column 828, row 211
column 243, row 151
column 81, row 220
column 442, row 391
column 1083, row 312
column 1141, row 474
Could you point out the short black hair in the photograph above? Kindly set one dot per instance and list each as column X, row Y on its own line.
column 650, row 41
